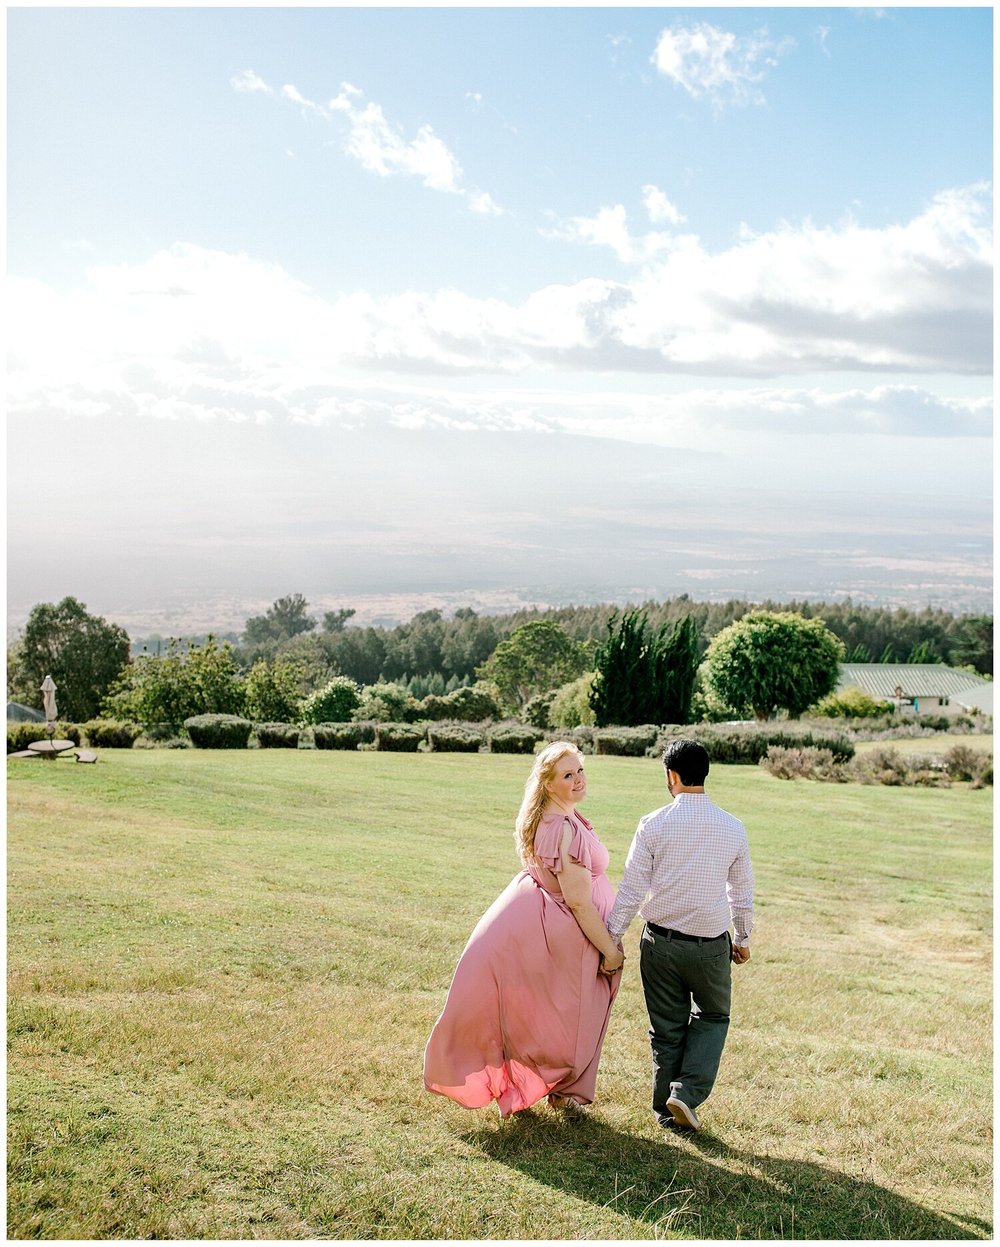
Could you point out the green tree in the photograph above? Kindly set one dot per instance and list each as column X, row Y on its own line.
column 571, row 704
column 83, row 653
column 334, row 621
column 645, row 676
column 284, row 619
column 274, row 691
column 385, row 703
column 973, row 645
column 535, row 658
column 770, row 661
column 154, row 691
column 335, row 702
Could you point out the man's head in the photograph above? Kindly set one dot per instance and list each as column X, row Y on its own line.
column 688, row 760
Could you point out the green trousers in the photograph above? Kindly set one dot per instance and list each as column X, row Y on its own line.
column 688, row 987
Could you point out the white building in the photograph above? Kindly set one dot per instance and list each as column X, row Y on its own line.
column 925, row 688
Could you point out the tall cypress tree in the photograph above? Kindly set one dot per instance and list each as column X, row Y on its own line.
column 642, row 676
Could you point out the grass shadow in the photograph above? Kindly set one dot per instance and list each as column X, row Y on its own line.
column 697, row 1186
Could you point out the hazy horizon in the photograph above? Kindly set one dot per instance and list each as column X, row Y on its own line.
column 478, row 305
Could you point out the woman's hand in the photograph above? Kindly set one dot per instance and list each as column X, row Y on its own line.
column 611, row 963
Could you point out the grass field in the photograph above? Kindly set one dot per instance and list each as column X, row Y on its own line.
column 223, row 968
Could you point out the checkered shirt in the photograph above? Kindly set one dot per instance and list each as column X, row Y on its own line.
column 688, row 869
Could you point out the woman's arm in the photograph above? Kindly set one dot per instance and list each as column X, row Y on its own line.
column 577, row 885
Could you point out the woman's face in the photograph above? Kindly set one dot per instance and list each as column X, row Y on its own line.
column 568, row 784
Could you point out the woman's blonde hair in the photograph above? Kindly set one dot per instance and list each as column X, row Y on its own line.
column 536, row 795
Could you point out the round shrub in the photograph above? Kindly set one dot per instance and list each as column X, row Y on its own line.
column 473, row 705
column 111, row 733
column 218, row 731
column 514, row 738
column 399, row 737
column 455, row 738
column 852, row 703
column 536, row 710
column 343, row 735
column 277, row 735
column 334, row 703
column 626, row 742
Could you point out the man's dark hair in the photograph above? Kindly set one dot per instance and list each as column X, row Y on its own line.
column 688, row 759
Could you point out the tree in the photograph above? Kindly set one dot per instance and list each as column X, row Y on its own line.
column 83, row 653
column 334, row 621
column 334, row 703
column 203, row 679
column 284, row 619
column 645, row 676
column 274, row 691
column 770, row 661
column 535, row 658
column 974, row 643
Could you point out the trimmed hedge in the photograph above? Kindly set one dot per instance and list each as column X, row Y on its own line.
column 455, row 738
column 399, row 737
column 473, row 705
column 626, row 742
column 514, row 738
column 111, row 733
column 343, row 735
column 731, row 743
column 582, row 737
column 218, row 731
column 21, row 735
column 277, row 735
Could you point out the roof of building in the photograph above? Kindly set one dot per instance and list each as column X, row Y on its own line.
column 931, row 679
column 978, row 698
column 16, row 713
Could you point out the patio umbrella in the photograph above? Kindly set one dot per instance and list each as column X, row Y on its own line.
column 49, row 699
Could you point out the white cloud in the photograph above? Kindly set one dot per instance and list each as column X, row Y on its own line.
column 911, row 298
column 659, row 209
column 609, row 228
column 725, row 67
column 380, row 146
column 248, row 82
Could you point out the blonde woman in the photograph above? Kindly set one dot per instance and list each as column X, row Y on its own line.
column 531, row 997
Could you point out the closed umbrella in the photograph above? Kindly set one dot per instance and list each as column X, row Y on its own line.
column 49, row 699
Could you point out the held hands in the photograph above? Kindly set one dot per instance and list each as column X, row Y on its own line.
column 740, row 955
column 612, row 963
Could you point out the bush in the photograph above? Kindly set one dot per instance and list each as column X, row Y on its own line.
column 273, row 691
column 571, row 704
column 386, row 703
column 334, row 703
column 747, row 745
column 473, row 705
column 969, row 765
column 21, row 735
column 514, row 738
column 111, row 733
column 626, row 742
column 277, row 735
column 218, row 731
column 852, row 703
column 795, row 763
column 582, row 737
column 455, row 738
column 343, row 735
column 537, row 709
column 399, row 737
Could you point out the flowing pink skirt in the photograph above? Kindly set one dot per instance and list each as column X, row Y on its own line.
column 527, row 1009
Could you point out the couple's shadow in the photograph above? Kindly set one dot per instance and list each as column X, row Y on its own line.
column 697, row 1186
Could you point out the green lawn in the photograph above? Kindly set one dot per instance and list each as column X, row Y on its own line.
column 223, row 968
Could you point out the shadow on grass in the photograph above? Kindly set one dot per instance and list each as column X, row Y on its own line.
column 697, row 1186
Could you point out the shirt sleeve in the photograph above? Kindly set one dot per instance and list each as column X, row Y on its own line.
column 548, row 843
column 634, row 886
column 739, row 892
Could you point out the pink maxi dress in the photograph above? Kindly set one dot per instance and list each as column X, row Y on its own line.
column 527, row 1009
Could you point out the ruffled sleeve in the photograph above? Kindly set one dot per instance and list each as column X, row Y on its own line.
column 548, row 841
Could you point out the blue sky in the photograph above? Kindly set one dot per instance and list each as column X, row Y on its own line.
column 633, row 287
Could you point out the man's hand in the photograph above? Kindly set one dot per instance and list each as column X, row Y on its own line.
column 739, row 955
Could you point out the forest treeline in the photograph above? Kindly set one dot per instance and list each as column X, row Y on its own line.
column 434, row 654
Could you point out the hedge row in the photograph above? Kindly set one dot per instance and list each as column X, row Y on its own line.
column 882, row 766
column 731, row 743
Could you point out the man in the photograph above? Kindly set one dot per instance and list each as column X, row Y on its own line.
column 689, row 869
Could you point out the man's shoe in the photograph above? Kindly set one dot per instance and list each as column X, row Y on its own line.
column 683, row 1114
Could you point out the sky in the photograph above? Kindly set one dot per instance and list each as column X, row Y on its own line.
column 447, row 306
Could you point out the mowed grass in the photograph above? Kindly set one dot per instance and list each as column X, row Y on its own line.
column 223, row 968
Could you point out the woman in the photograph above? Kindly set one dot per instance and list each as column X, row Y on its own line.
column 531, row 997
